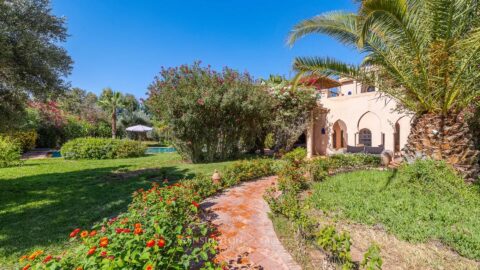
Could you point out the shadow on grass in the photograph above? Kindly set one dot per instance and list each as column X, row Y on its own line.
column 37, row 211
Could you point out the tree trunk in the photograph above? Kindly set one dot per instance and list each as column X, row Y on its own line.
column 114, row 124
column 448, row 138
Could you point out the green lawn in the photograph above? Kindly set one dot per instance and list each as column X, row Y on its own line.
column 418, row 210
column 44, row 200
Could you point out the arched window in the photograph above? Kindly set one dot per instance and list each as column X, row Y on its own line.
column 365, row 137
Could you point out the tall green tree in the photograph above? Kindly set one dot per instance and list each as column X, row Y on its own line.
column 423, row 53
column 112, row 101
column 31, row 61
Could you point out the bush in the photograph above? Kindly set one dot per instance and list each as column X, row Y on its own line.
column 26, row 139
column 246, row 170
column 320, row 168
column 102, row 148
column 10, row 152
column 210, row 115
column 338, row 245
column 372, row 259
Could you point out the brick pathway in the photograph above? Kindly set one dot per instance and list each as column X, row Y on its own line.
column 248, row 240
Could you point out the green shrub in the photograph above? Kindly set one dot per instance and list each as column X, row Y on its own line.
column 338, row 245
column 26, row 139
column 246, row 170
column 269, row 141
column 318, row 169
column 102, row 148
column 210, row 115
column 372, row 259
column 296, row 156
column 10, row 152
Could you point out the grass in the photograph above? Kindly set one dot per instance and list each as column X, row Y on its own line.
column 42, row 201
column 416, row 204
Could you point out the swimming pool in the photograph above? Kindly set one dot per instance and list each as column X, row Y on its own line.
column 150, row 150
column 156, row 150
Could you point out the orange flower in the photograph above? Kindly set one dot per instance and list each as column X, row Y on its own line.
column 79, row 268
column 150, row 243
column 93, row 233
column 47, row 259
column 103, row 241
column 161, row 243
column 149, row 267
column 34, row 255
column 26, row 267
column 138, row 231
column 138, row 225
column 23, row 258
column 179, row 236
column 74, row 232
column 92, row 250
column 195, row 204
column 84, row 234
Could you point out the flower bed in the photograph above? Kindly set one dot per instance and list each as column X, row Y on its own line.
column 162, row 229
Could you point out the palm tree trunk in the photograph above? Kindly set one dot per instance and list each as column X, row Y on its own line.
column 114, row 124
column 448, row 138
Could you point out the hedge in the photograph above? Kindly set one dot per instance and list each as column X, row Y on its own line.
column 10, row 152
column 102, row 148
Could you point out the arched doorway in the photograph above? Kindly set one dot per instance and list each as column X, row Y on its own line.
column 365, row 137
column 339, row 135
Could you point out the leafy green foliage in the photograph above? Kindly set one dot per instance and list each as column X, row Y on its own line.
column 320, row 168
column 337, row 244
column 26, row 139
column 102, row 148
column 111, row 101
column 372, row 259
column 9, row 152
column 210, row 115
column 33, row 63
column 420, row 202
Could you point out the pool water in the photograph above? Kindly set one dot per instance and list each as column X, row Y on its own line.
column 156, row 150
column 150, row 150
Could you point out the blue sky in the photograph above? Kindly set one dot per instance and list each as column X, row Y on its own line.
column 123, row 43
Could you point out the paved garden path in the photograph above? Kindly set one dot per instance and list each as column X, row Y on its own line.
column 248, row 240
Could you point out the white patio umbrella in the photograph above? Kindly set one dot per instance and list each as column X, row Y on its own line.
column 139, row 129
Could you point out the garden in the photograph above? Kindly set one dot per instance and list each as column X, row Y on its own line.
column 109, row 203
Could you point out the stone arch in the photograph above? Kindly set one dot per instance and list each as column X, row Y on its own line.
column 339, row 134
column 371, row 121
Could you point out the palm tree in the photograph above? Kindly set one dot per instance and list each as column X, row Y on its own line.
column 423, row 53
column 112, row 101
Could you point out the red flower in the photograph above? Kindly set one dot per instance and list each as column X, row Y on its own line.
column 74, row 233
column 47, row 259
column 150, row 243
column 161, row 243
column 119, row 230
column 92, row 250
column 195, row 204
column 149, row 267
column 26, row 267
column 103, row 241
column 127, row 230
column 103, row 254
column 93, row 233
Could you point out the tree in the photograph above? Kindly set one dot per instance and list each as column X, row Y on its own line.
column 31, row 61
column 112, row 101
column 425, row 54
column 210, row 115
